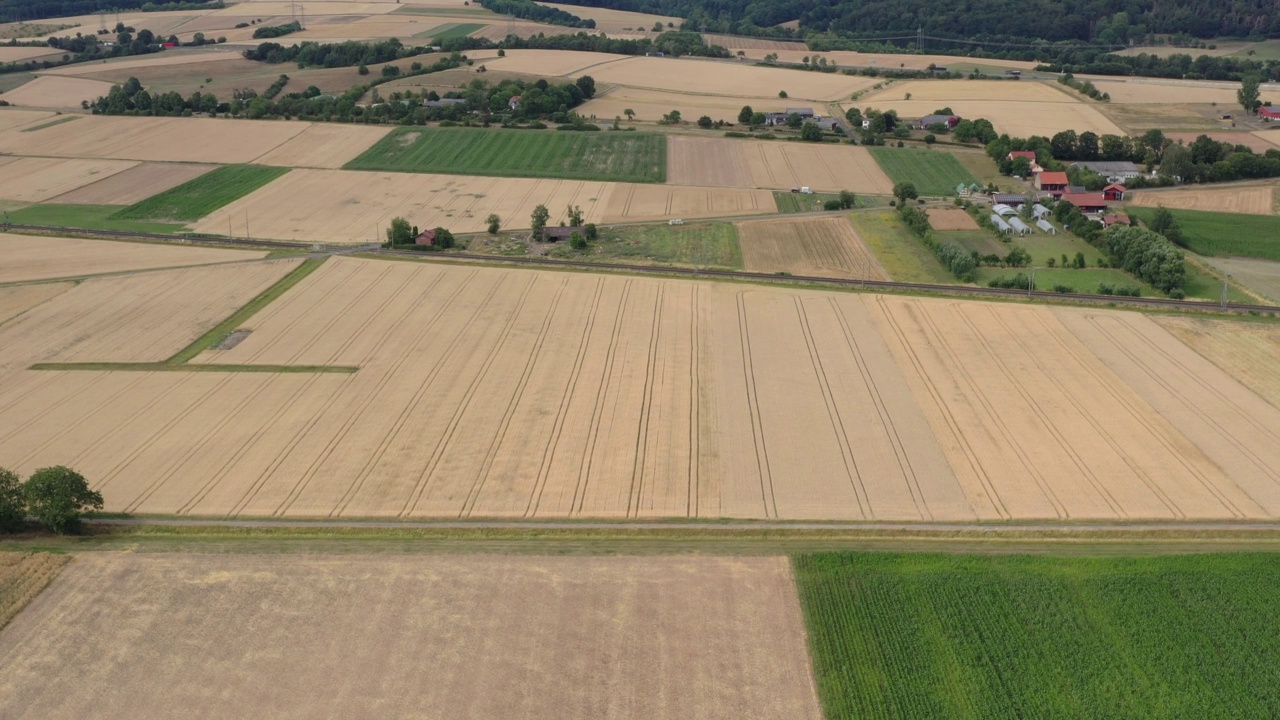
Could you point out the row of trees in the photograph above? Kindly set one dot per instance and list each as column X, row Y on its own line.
column 954, row 258
column 55, row 496
column 332, row 55
column 530, row 10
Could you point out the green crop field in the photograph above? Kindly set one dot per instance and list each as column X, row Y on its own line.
column 87, row 217
column 952, row 636
column 622, row 157
column 933, row 172
column 1225, row 234
column 196, row 198
column 449, row 31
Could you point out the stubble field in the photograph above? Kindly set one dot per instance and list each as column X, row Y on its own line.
column 57, row 92
column 29, row 179
column 650, row 105
column 706, row 77
column 199, row 140
column 325, row 146
column 1020, row 108
column 487, row 392
column 822, row 247
column 782, row 166
column 28, row 257
column 456, row 636
column 1247, row 199
column 951, row 219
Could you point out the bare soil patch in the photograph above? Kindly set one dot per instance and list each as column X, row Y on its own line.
column 951, row 219
column 452, row 636
column 134, row 185
column 822, row 247
column 29, row 257
column 1248, row 199
column 38, row 179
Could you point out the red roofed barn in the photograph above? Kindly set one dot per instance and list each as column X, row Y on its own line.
column 1054, row 183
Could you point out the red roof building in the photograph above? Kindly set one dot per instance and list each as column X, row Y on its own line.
column 1267, row 113
column 1087, row 202
column 1115, row 219
column 1054, row 183
column 1028, row 154
column 1113, row 191
column 426, row 237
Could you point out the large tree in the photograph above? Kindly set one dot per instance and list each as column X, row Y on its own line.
column 58, row 496
column 1248, row 93
column 538, row 220
column 13, row 504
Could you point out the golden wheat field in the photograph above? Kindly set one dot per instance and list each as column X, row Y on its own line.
column 1248, row 199
column 746, row 164
column 28, row 257
column 57, row 92
column 821, row 247
column 153, row 138
column 30, row 179
column 706, row 77
column 12, row 118
column 458, row 636
column 133, row 185
column 22, row 576
column 491, row 392
column 324, row 146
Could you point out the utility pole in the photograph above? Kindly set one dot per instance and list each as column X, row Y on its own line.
column 1225, row 279
column 1031, row 284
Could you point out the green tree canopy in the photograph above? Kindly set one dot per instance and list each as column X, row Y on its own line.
column 58, row 496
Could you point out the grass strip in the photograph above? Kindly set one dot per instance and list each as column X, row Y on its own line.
column 251, row 308
column 197, row 198
column 87, row 217
column 51, row 123
column 170, row 367
column 1224, row 234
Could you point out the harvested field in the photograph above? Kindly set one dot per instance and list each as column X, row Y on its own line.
column 1175, row 92
column 887, row 61
column 951, row 219
column 262, row 8
column 12, row 119
column 135, row 62
column 738, row 42
column 1028, row 91
column 1247, row 199
column 549, row 63
column 823, row 247
column 338, row 206
column 23, row 54
column 1249, row 353
column 1260, row 276
column 152, row 138
column 29, row 257
column 721, row 162
column 1021, row 108
column 17, row 299
column 1256, row 141
column 325, row 146
column 499, row 31
column 134, row 185
column 642, row 203
column 38, row 179
column 616, row 20
column 145, row 317
column 455, row 636
column 23, row 576
column 57, row 92
column 707, row 77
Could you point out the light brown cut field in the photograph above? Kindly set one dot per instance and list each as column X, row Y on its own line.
column 574, row 638
column 499, row 31
column 709, row 77
column 134, row 185
column 616, row 20
column 153, row 138
column 143, row 317
column 738, row 42
column 38, row 179
column 720, row 162
column 262, row 8
column 1175, row 92
column 821, row 247
column 22, row 577
column 1248, row 199
column 325, row 146
column 349, row 206
column 24, row 53
column 1248, row 352
column 11, row 118
column 146, row 61
column 17, row 299
column 550, row 63
column 1030, row 91
column 29, row 257
column 951, row 219
column 507, row 392
column 642, row 203
column 57, row 92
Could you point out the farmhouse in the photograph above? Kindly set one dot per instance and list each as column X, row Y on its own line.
column 949, row 121
column 1114, row 172
column 555, row 234
column 1268, row 114
column 1030, row 155
column 1087, row 202
column 514, row 103
column 1114, row 219
column 1113, row 192
column 1054, row 183
column 426, row 237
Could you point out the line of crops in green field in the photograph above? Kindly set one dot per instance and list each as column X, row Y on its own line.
column 196, row 198
column 950, row 636
column 621, row 157
column 933, row 172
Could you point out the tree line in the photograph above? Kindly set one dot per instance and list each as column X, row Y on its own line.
column 55, row 496
column 123, row 41
column 529, row 10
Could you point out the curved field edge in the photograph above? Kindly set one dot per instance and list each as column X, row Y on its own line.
column 23, row 575
column 617, row 157
column 928, row 635
column 197, row 198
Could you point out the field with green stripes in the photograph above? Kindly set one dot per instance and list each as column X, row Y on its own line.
column 933, row 172
column 621, row 157
column 197, row 198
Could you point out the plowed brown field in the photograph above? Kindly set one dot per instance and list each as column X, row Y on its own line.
column 134, row 185
column 823, row 247
column 951, row 219
column 504, row 392
column 574, row 638
column 28, row 257
column 1249, row 199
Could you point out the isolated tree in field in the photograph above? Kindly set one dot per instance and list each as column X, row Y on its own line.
column 631, row 114
column 905, row 191
column 1248, row 93
column 58, row 496
column 538, row 220
column 811, row 133
column 400, row 232
column 574, row 214
column 848, row 199
column 494, row 222
column 744, row 115
column 782, row 94
column 13, row 503
column 444, row 239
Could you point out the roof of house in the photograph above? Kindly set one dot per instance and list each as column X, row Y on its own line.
column 1028, row 154
column 1115, row 219
column 1114, row 186
column 928, row 120
column 560, row 231
column 444, row 102
column 1085, row 199
column 1009, row 199
column 1053, row 178
column 1268, row 112
column 800, row 111
column 1104, row 167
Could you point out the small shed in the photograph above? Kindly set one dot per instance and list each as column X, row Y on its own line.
column 1001, row 225
column 1019, row 226
column 1045, row 226
column 560, row 232
column 426, row 237
column 1114, row 191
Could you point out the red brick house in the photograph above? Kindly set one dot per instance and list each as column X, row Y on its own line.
column 1113, row 192
column 1087, row 202
column 1054, row 183
column 426, row 237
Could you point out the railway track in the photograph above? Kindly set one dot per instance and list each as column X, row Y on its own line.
column 886, row 285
